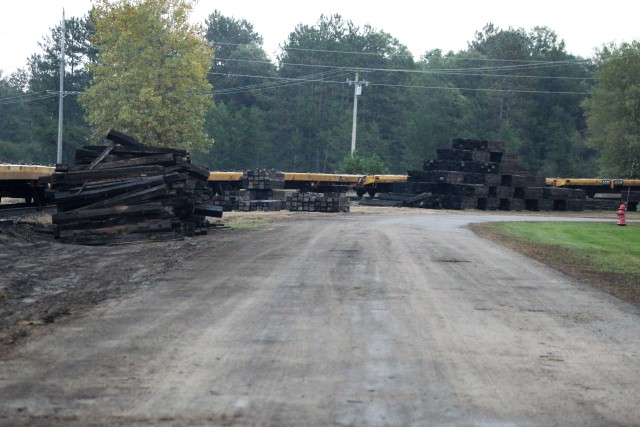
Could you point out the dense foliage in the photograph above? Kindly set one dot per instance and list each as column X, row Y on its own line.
column 613, row 110
column 356, row 164
column 29, row 110
column 150, row 77
column 294, row 113
column 517, row 86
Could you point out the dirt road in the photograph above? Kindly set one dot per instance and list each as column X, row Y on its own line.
column 349, row 320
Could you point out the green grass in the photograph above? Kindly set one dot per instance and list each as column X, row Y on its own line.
column 602, row 247
column 604, row 255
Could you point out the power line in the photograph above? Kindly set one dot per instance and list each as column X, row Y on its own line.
column 26, row 98
column 463, row 71
column 279, row 82
column 22, row 95
column 346, row 52
column 258, row 87
column 484, row 89
column 283, row 82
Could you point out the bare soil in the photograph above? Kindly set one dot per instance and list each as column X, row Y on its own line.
column 42, row 280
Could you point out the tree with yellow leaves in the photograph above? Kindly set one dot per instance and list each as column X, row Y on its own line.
column 151, row 76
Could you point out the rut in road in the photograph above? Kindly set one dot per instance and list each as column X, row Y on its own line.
column 351, row 320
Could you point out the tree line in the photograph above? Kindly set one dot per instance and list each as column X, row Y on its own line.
column 295, row 112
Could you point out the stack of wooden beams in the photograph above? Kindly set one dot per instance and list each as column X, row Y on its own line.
column 333, row 202
column 130, row 192
column 253, row 200
column 262, row 179
column 302, row 201
column 230, row 200
column 318, row 202
column 602, row 204
column 260, row 205
column 480, row 174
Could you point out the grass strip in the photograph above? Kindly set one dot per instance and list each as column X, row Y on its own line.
column 604, row 255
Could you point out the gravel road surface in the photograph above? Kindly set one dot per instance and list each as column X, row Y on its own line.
column 339, row 320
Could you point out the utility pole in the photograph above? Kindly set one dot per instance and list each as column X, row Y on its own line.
column 357, row 91
column 60, row 113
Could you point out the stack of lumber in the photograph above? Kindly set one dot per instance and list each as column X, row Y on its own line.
column 318, row 202
column 302, row 201
column 393, row 199
column 332, row 202
column 265, row 189
column 261, row 205
column 480, row 174
column 262, row 179
column 130, row 192
column 262, row 190
column 602, row 204
column 230, row 200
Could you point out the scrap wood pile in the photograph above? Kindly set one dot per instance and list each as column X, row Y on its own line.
column 130, row 192
column 479, row 174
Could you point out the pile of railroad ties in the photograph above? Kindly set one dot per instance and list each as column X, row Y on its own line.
column 130, row 192
column 479, row 174
column 264, row 190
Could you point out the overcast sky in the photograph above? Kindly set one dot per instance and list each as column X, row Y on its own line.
column 421, row 26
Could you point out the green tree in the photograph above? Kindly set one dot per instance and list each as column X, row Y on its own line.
column 29, row 99
column 526, row 87
column 44, row 78
column 239, row 63
column 359, row 165
column 318, row 102
column 151, row 76
column 15, row 122
column 613, row 111
column 437, row 110
column 240, row 73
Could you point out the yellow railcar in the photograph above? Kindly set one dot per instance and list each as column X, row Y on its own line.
column 316, row 181
column 21, row 182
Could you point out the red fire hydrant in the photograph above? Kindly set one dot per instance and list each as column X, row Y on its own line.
column 621, row 212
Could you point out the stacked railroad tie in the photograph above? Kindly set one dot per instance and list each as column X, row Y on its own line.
column 230, row 200
column 265, row 189
column 480, row 174
column 318, row 202
column 130, row 192
column 261, row 205
column 262, row 180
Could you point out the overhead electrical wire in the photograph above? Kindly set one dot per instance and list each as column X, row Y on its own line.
column 27, row 97
column 462, row 71
column 259, row 87
column 346, row 52
column 351, row 69
column 549, row 92
column 280, row 81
